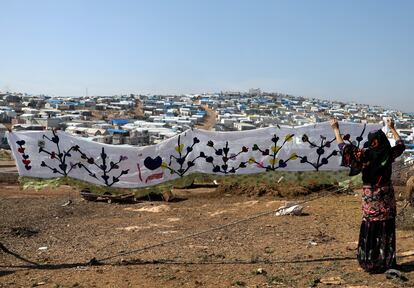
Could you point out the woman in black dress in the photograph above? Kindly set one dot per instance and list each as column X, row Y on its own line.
column 376, row 245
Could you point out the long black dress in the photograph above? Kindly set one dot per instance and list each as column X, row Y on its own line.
column 376, row 245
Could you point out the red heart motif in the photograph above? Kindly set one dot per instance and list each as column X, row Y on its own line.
column 26, row 162
column 21, row 150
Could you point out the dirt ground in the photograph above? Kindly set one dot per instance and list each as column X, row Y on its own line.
column 49, row 244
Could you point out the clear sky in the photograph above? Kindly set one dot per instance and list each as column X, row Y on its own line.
column 346, row 50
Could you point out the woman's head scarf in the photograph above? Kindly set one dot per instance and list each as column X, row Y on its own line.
column 377, row 159
column 372, row 161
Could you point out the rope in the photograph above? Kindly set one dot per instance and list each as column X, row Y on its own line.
column 95, row 261
column 196, row 234
column 255, row 216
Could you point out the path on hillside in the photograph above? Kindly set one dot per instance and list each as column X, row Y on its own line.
column 209, row 120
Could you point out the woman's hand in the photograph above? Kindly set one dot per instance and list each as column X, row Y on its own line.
column 335, row 127
column 390, row 123
column 334, row 124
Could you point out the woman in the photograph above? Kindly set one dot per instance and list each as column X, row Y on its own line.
column 376, row 245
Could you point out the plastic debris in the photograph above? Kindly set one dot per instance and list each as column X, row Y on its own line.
column 260, row 271
column 395, row 274
column 332, row 281
column 289, row 209
column 67, row 203
column 407, row 253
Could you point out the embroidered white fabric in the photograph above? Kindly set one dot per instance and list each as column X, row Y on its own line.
column 45, row 154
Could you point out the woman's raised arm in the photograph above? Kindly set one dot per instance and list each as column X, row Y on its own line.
column 335, row 128
column 399, row 147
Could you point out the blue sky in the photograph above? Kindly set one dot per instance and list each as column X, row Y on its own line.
column 344, row 50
